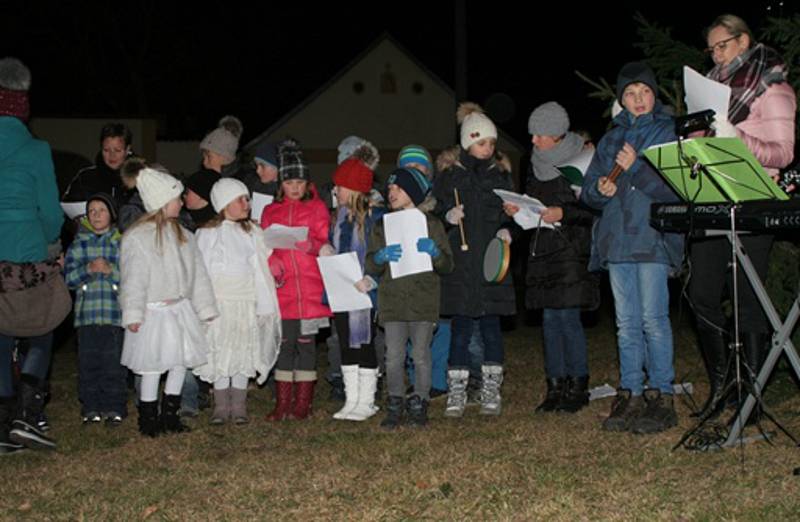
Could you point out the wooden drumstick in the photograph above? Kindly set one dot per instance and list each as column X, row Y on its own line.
column 464, row 245
column 615, row 172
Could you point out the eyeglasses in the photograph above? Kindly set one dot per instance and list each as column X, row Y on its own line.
column 720, row 46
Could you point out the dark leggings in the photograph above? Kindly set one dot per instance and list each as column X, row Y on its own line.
column 36, row 363
column 364, row 356
column 298, row 352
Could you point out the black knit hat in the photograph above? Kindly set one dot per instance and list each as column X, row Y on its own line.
column 635, row 72
column 201, row 182
column 412, row 181
column 107, row 200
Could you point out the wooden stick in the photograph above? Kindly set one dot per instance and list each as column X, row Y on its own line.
column 615, row 172
column 464, row 246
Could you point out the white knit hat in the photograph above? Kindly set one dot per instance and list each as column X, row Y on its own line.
column 475, row 125
column 226, row 190
column 157, row 188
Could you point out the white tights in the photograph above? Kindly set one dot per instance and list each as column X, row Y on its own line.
column 238, row 381
column 148, row 392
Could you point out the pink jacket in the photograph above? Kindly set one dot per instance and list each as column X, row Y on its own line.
column 768, row 131
column 300, row 295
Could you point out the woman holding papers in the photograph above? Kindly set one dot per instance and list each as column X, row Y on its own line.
column 557, row 279
column 464, row 195
column 355, row 219
column 639, row 259
column 299, row 283
column 762, row 114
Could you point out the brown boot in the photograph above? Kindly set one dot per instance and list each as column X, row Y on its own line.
column 239, row 406
column 283, row 401
column 222, row 407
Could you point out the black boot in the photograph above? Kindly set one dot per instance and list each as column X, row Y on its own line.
column 576, row 395
column 7, row 446
column 25, row 429
column 715, row 355
column 149, row 425
column 394, row 413
column 417, row 410
column 170, row 420
column 337, row 389
column 555, row 393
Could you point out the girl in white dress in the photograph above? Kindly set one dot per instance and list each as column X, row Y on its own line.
column 245, row 339
column 165, row 293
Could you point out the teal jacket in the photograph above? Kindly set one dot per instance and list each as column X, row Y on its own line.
column 30, row 214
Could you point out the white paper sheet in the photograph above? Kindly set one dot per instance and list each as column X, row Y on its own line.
column 703, row 93
column 75, row 209
column 527, row 219
column 340, row 274
column 520, row 200
column 257, row 205
column 281, row 236
column 405, row 227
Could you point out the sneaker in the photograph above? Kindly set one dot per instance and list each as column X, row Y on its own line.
column 29, row 435
column 92, row 418
column 417, row 410
column 113, row 420
column 624, row 412
column 658, row 416
column 42, row 422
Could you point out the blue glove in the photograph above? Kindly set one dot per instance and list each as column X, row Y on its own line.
column 426, row 245
column 388, row 253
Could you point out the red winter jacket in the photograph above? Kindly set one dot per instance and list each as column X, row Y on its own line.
column 300, row 295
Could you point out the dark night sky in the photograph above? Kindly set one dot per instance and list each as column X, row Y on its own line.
column 187, row 65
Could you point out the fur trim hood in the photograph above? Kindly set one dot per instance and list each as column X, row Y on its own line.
column 450, row 157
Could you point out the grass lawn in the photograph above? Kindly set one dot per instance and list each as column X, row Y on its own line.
column 520, row 466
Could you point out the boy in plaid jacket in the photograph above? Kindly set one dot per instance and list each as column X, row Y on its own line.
column 92, row 270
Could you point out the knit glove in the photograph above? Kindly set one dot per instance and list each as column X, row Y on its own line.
column 723, row 128
column 504, row 234
column 327, row 250
column 366, row 284
column 388, row 253
column 455, row 214
column 426, row 245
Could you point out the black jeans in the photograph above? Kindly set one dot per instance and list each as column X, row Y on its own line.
column 102, row 380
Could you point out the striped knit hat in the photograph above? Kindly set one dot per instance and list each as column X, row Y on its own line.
column 412, row 181
column 415, row 154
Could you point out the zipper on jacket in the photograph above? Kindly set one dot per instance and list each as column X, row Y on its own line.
column 294, row 264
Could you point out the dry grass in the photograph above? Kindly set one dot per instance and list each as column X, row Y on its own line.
column 517, row 467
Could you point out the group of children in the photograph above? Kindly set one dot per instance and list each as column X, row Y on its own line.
column 226, row 307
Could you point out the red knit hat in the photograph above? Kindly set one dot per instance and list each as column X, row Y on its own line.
column 353, row 174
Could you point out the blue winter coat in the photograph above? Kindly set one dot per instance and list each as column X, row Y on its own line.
column 623, row 233
column 30, row 214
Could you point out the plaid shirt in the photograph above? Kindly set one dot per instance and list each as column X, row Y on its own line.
column 96, row 294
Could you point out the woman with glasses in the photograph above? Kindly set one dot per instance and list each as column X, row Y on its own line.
column 761, row 114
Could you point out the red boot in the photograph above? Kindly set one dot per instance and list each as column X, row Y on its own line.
column 303, row 396
column 283, row 402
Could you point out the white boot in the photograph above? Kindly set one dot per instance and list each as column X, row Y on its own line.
column 457, row 392
column 350, row 378
column 365, row 407
column 491, row 401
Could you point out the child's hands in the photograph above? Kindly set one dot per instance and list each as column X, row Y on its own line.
column 99, row 265
column 277, row 270
column 134, row 327
column 626, row 156
column 455, row 214
column 510, row 209
column 504, row 234
column 366, row 284
column 327, row 250
column 552, row 214
column 426, row 245
column 388, row 253
column 606, row 187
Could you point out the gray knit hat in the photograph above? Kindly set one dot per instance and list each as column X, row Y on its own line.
column 548, row 119
column 636, row 72
column 224, row 140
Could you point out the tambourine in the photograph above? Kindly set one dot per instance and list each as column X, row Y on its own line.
column 496, row 260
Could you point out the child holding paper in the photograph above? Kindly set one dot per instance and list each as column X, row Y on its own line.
column 408, row 307
column 355, row 219
column 299, row 283
column 473, row 171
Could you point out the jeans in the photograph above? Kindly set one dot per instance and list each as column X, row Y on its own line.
column 102, row 380
column 36, row 364
column 644, row 333
column 564, row 343
column 462, row 332
column 190, row 401
column 398, row 334
column 476, row 350
column 440, row 351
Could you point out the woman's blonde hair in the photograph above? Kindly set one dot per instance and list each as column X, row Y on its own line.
column 733, row 24
column 358, row 208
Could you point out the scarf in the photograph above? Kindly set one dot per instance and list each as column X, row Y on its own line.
column 14, row 103
column 748, row 76
column 544, row 161
column 346, row 239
